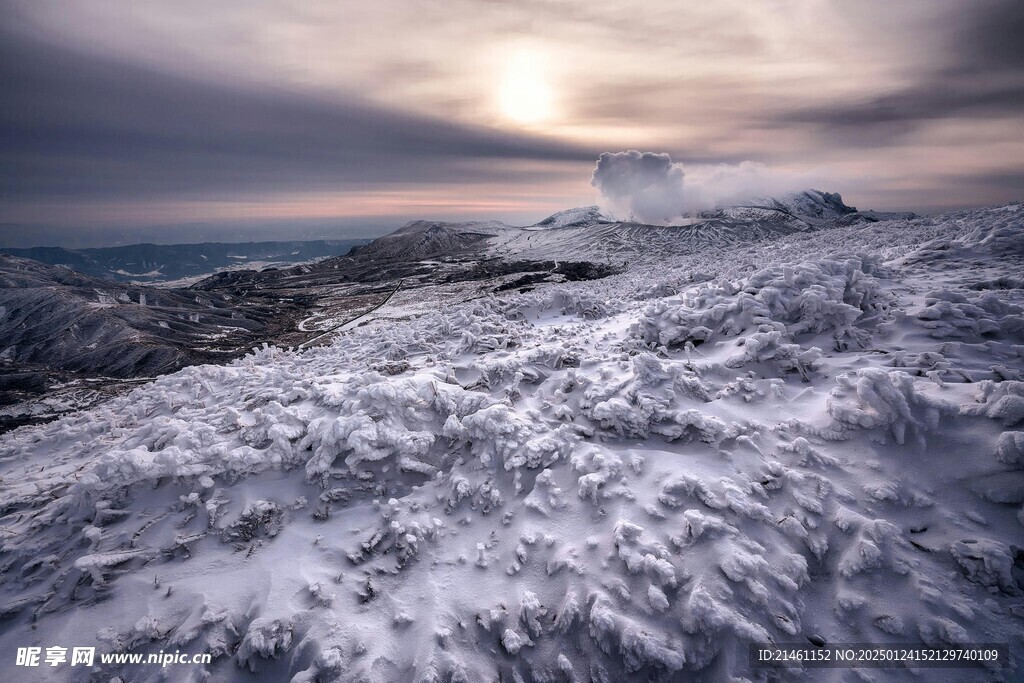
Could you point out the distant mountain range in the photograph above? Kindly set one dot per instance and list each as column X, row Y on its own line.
column 55, row 318
column 83, row 336
column 157, row 263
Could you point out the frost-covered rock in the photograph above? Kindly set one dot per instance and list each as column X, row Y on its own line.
column 1003, row 401
column 265, row 638
column 1010, row 448
column 873, row 398
column 987, row 562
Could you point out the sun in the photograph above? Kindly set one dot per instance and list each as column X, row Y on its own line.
column 524, row 95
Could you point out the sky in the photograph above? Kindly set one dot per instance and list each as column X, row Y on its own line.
column 186, row 120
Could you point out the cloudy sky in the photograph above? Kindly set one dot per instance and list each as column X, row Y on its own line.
column 190, row 119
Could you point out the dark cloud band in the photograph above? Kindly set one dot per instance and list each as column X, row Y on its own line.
column 979, row 74
column 76, row 125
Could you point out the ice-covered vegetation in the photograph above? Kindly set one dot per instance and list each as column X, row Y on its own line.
column 818, row 437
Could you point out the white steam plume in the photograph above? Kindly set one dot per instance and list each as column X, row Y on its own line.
column 651, row 188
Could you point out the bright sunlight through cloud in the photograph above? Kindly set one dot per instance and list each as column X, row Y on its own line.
column 524, row 95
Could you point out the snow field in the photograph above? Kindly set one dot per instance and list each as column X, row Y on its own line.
column 816, row 436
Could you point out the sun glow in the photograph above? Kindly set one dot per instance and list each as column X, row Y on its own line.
column 524, row 95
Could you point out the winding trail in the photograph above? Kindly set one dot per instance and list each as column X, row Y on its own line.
column 345, row 325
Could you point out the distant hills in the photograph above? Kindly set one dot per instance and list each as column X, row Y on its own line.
column 159, row 263
column 55, row 318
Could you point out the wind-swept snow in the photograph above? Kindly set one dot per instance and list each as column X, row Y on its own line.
column 810, row 437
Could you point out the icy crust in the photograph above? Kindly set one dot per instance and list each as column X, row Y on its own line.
column 627, row 479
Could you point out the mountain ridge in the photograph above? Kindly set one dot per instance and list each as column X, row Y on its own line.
column 589, row 234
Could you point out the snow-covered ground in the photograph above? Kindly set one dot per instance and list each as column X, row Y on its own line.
column 816, row 436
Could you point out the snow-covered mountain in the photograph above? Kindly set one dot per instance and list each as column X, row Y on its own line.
column 586, row 215
column 587, row 234
column 422, row 239
column 806, row 435
column 807, row 204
